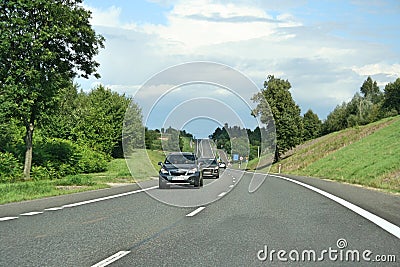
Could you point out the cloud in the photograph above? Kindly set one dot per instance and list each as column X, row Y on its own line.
column 256, row 37
column 392, row 70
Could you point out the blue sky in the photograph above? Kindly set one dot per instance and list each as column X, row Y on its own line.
column 326, row 49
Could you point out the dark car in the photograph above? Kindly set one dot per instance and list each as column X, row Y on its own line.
column 209, row 167
column 180, row 168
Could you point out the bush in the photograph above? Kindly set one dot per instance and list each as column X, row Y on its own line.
column 43, row 173
column 59, row 158
column 10, row 168
column 91, row 161
column 56, row 154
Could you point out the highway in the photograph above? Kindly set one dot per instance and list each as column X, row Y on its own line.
column 128, row 226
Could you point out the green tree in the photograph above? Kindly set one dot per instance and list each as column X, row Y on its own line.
column 392, row 96
column 312, row 125
column 370, row 90
column 286, row 113
column 43, row 45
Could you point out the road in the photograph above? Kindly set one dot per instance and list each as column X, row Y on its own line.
column 205, row 148
column 128, row 226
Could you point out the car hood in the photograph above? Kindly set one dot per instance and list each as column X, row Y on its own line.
column 180, row 166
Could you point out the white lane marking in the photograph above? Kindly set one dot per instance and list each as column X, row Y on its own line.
column 111, row 259
column 231, row 185
column 387, row 226
column 222, row 194
column 7, row 218
column 108, row 197
column 78, row 203
column 195, row 212
column 52, row 209
column 31, row 213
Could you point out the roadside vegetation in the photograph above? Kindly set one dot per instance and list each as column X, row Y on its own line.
column 57, row 138
column 365, row 155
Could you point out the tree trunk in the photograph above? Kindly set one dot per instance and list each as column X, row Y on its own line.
column 28, row 153
column 277, row 156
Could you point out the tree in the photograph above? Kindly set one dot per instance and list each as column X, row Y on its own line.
column 370, row 90
column 392, row 96
column 288, row 121
column 43, row 46
column 312, row 125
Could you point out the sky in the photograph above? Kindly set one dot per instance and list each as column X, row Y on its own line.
column 325, row 49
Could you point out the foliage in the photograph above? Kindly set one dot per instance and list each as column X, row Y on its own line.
column 55, row 158
column 361, row 110
column 391, row 100
column 370, row 90
column 43, row 45
column 286, row 114
column 312, row 125
column 94, row 119
column 235, row 140
column 10, row 168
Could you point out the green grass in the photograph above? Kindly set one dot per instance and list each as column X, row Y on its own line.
column 186, row 145
column 367, row 155
column 144, row 163
column 143, row 166
column 21, row 191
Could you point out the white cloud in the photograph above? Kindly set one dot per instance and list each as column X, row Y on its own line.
column 324, row 69
column 204, row 23
column 392, row 70
column 107, row 18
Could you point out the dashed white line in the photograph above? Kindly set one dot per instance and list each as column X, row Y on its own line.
column 7, row 218
column 195, row 212
column 53, row 209
column 31, row 213
column 222, row 194
column 78, row 204
column 231, row 185
column 111, row 259
column 109, row 197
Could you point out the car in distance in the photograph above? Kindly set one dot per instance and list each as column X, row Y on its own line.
column 222, row 165
column 180, row 168
column 209, row 167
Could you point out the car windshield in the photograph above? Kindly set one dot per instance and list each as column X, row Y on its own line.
column 209, row 162
column 180, row 159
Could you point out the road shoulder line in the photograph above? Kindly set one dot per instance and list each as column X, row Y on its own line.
column 384, row 224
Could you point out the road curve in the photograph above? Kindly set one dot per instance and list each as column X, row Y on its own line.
column 134, row 229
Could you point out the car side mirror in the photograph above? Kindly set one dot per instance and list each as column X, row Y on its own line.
column 160, row 163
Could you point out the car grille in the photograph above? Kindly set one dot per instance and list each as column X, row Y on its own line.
column 178, row 172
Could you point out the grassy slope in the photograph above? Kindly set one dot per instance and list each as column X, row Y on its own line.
column 367, row 155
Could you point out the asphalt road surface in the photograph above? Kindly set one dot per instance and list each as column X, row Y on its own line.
column 128, row 226
column 205, row 148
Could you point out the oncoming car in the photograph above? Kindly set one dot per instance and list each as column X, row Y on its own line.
column 180, row 168
column 209, row 167
column 222, row 165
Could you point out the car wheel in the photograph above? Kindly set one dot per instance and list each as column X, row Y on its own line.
column 197, row 182
column 162, row 184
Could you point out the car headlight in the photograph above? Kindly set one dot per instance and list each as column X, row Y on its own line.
column 192, row 171
column 163, row 171
column 216, row 168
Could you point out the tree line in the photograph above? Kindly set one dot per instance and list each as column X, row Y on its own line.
column 79, row 135
column 275, row 101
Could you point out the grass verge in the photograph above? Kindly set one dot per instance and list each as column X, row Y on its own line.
column 367, row 155
column 143, row 167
